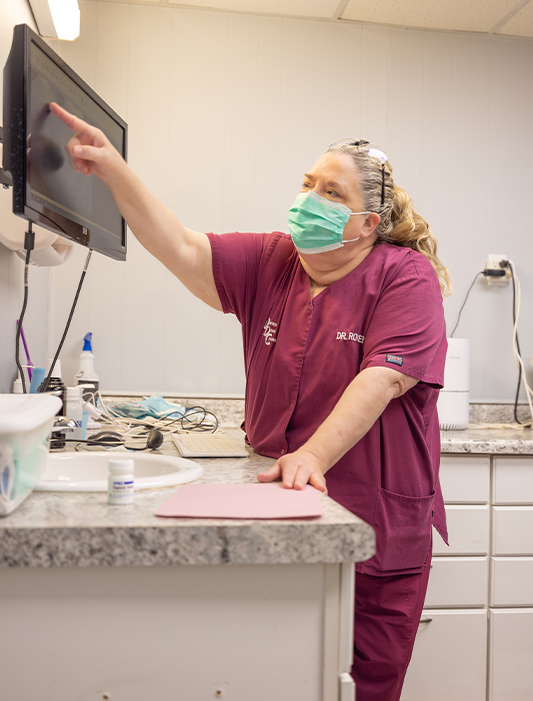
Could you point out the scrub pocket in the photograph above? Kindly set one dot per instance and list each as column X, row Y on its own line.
column 403, row 530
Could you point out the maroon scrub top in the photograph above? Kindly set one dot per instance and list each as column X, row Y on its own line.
column 300, row 354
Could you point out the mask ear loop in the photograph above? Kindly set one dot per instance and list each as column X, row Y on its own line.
column 382, row 183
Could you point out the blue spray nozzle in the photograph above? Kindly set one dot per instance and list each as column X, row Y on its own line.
column 87, row 342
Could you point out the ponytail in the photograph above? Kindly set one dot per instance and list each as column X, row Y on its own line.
column 400, row 223
column 410, row 229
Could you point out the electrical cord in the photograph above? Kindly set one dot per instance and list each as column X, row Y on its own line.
column 29, row 241
column 195, row 419
column 481, row 272
column 516, row 347
column 500, row 273
column 46, row 380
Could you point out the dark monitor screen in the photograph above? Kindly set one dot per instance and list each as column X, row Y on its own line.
column 46, row 189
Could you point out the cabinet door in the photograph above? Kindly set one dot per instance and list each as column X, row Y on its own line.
column 511, row 655
column 465, row 479
column 458, row 581
column 468, row 530
column 512, row 530
column 512, row 480
column 449, row 658
column 511, row 581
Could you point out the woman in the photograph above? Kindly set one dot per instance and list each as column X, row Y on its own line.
column 344, row 345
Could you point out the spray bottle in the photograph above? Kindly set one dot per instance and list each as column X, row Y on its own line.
column 86, row 375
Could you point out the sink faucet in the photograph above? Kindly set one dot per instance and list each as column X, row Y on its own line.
column 62, row 426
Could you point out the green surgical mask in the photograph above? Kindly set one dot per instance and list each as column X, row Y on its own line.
column 316, row 224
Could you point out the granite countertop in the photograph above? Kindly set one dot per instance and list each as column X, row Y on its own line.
column 488, row 441
column 80, row 529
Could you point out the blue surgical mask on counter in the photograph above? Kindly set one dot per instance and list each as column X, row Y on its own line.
column 316, row 224
column 154, row 406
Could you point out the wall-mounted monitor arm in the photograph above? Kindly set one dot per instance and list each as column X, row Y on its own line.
column 5, row 178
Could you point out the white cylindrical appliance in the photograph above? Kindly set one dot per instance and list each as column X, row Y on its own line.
column 454, row 399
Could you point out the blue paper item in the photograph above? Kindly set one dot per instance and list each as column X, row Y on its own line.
column 84, row 422
column 37, row 377
column 160, row 408
column 152, row 407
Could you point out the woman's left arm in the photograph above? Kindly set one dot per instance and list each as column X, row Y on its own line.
column 359, row 407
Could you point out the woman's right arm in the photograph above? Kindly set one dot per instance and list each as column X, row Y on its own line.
column 186, row 253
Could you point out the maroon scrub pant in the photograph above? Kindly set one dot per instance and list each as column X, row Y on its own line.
column 387, row 614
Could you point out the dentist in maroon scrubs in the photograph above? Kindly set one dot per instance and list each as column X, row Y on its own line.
column 344, row 348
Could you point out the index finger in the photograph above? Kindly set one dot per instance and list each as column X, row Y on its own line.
column 73, row 122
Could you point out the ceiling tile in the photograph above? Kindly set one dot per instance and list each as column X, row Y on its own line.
column 521, row 24
column 462, row 15
column 290, row 8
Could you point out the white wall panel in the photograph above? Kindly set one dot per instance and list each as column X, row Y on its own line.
column 226, row 112
column 13, row 12
column 268, row 214
column 375, row 84
column 405, row 109
column 338, row 94
column 437, row 154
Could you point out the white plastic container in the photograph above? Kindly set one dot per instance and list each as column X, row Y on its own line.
column 86, row 374
column 26, row 421
column 120, row 482
column 74, row 410
column 453, row 405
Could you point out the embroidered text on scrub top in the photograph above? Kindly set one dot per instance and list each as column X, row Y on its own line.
column 350, row 336
column 269, row 332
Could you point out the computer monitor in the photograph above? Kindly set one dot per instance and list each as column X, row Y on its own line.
column 46, row 189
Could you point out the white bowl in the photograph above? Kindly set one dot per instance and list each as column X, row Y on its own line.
column 88, row 472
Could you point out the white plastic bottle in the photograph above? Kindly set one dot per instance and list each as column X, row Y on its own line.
column 120, row 481
column 75, row 410
column 86, row 374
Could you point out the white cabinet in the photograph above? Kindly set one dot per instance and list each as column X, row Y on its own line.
column 484, row 577
column 511, row 654
column 512, row 480
column 465, row 479
column 511, row 580
column 468, row 531
column 450, row 661
column 512, row 528
column 458, row 581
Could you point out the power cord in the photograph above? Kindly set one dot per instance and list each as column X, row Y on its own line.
column 29, row 242
column 46, row 380
column 481, row 272
column 500, row 273
column 516, row 346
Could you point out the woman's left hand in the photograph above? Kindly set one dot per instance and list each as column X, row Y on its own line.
column 296, row 470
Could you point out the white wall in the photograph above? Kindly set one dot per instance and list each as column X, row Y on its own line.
column 35, row 324
column 225, row 114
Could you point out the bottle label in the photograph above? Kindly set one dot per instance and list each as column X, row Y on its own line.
column 120, row 491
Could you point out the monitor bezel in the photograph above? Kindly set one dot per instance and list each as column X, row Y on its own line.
column 16, row 100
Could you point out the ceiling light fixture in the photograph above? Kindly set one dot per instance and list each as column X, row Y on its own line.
column 57, row 19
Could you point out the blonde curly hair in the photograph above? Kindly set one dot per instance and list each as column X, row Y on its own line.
column 401, row 224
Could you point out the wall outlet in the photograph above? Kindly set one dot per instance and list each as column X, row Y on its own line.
column 493, row 263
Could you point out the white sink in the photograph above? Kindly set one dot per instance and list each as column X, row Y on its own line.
column 88, row 472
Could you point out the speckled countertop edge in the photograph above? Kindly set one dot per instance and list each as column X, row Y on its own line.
column 75, row 529
column 488, row 441
column 51, row 529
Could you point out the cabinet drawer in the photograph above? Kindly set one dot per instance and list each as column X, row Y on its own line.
column 511, row 581
column 449, row 658
column 510, row 654
column 512, row 481
column 468, row 530
column 465, row 479
column 512, row 530
column 458, row 581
